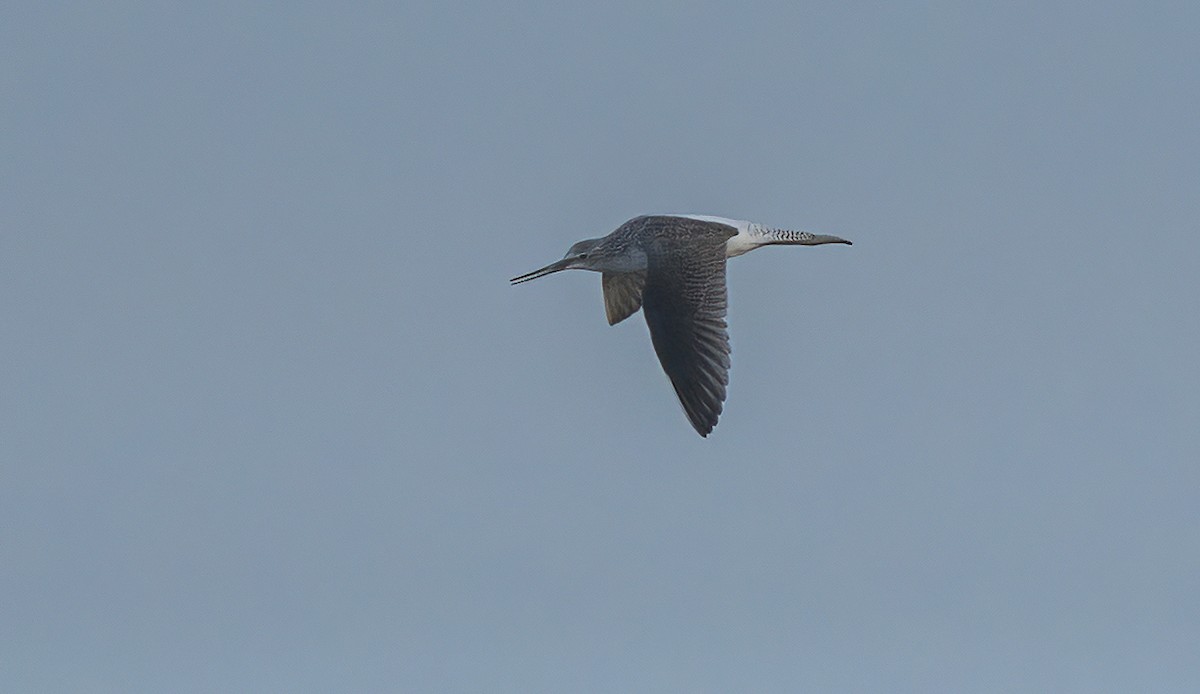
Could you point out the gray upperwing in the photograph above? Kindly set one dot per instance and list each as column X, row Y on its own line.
column 622, row 294
column 685, row 301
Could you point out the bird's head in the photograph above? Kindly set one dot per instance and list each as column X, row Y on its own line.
column 582, row 256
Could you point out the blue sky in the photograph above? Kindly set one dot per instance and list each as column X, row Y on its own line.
column 275, row 421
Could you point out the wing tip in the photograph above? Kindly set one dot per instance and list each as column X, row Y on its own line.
column 703, row 422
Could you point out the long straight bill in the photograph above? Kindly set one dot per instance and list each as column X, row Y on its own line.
column 551, row 268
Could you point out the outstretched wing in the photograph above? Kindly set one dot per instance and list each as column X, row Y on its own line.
column 622, row 294
column 685, row 301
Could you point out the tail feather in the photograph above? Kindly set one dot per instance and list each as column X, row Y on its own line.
column 788, row 237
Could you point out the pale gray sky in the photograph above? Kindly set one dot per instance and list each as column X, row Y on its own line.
column 273, row 419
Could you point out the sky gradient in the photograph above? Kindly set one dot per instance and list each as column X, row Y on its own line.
column 273, row 419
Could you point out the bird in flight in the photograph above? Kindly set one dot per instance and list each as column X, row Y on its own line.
column 673, row 267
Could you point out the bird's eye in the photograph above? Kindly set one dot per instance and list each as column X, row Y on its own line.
column 581, row 256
